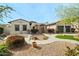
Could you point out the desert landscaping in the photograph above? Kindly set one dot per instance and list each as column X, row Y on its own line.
column 52, row 48
column 39, row 29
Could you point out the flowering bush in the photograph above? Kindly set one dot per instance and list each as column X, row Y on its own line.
column 15, row 41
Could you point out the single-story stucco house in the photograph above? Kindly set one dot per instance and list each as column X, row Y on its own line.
column 61, row 27
column 21, row 26
column 18, row 26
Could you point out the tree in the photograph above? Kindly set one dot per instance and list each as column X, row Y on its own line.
column 69, row 14
column 5, row 11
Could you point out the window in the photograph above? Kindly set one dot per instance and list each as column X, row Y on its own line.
column 68, row 28
column 24, row 27
column 16, row 27
column 60, row 29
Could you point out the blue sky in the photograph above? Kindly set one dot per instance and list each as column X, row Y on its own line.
column 41, row 13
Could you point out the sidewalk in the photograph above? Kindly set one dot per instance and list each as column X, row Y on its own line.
column 49, row 40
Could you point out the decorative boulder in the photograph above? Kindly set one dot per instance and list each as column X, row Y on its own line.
column 35, row 38
column 14, row 41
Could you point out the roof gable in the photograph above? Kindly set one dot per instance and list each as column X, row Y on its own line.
column 22, row 20
column 18, row 20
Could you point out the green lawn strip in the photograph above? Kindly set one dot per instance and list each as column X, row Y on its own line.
column 68, row 37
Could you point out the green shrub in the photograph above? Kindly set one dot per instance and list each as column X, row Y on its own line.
column 34, row 31
column 50, row 30
column 15, row 41
column 4, row 51
column 72, row 30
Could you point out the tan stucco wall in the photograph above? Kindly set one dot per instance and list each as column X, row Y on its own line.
column 51, row 27
column 7, row 29
column 10, row 28
column 54, row 26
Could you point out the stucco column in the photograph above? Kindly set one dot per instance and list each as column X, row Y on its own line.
column 20, row 29
column 64, row 29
